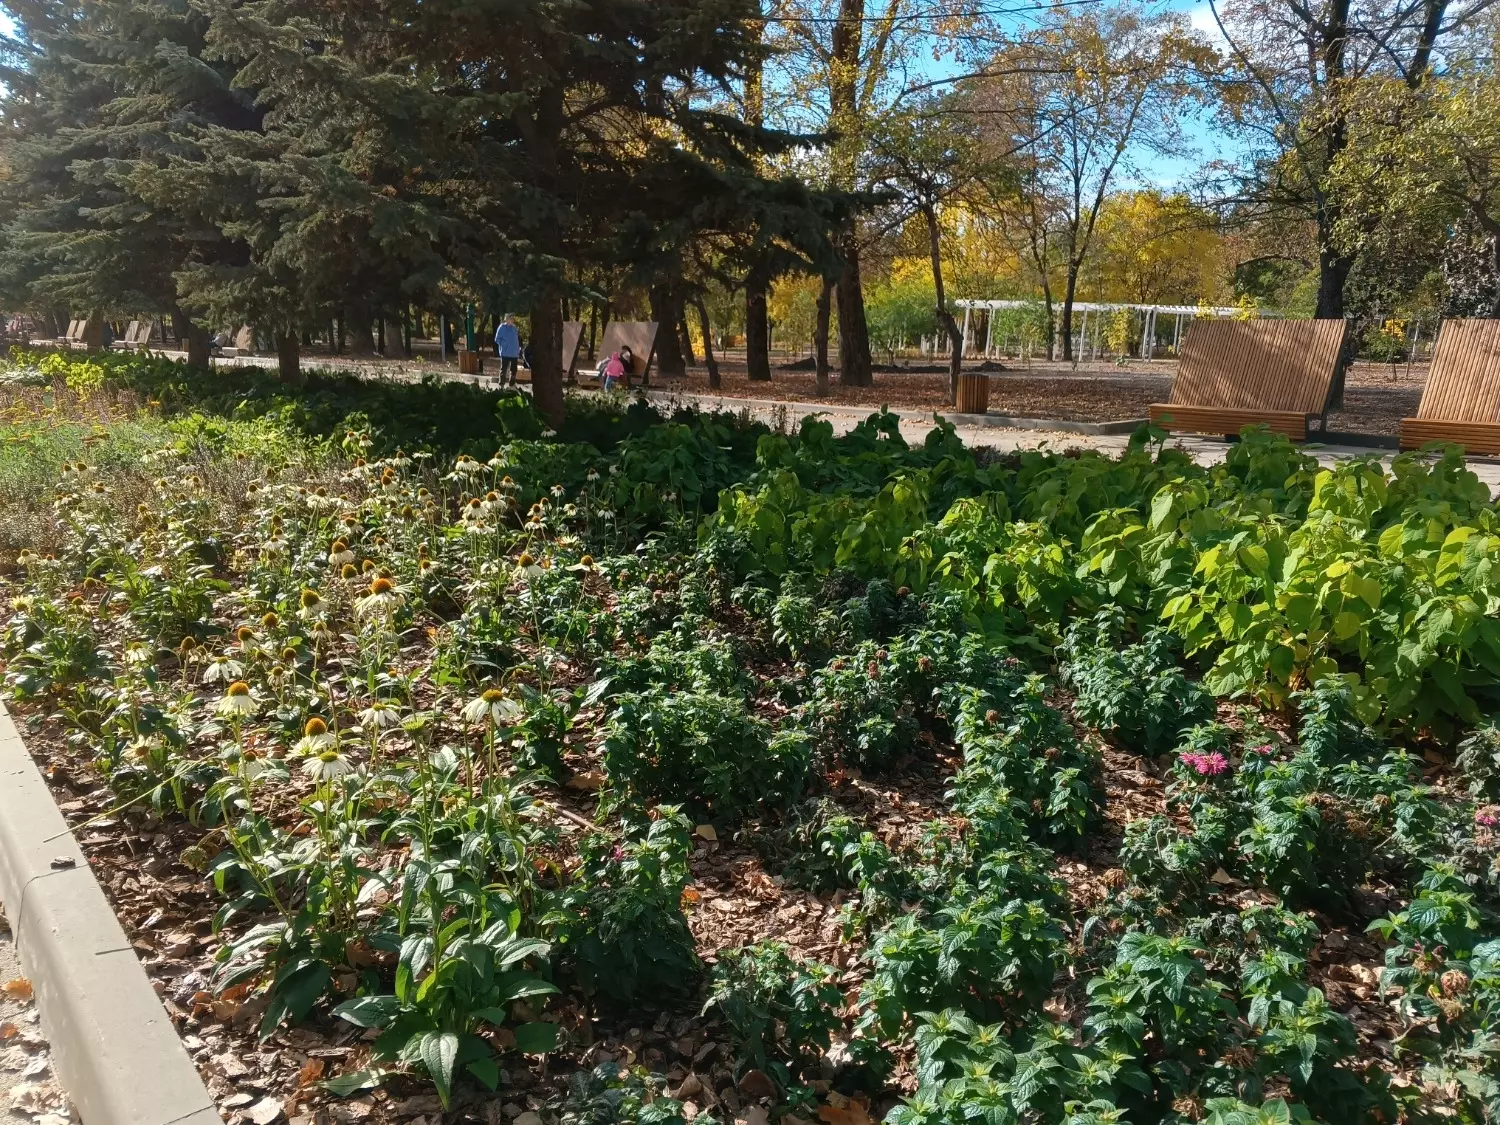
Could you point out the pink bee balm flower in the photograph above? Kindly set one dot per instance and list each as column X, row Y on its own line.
column 1207, row 765
column 1265, row 750
column 1487, row 817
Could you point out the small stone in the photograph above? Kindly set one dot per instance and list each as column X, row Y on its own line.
column 529, row 1118
column 265, row 1111
column 691, row 1087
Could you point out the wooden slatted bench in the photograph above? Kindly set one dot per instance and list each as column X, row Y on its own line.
column 1225, row 421
column 1238, row 373
column 1461, row 402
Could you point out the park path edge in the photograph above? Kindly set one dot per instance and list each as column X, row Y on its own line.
column 114, row 1050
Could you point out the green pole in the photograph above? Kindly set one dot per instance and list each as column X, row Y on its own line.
column 469, row 325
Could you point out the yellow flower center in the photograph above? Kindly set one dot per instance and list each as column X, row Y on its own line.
column 382, row 586
column 239, row 688
column 315, row 727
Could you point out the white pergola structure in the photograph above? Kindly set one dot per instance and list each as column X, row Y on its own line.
column 1149, row 314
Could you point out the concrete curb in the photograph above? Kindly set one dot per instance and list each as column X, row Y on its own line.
column 800, row 408
column 115, row 1052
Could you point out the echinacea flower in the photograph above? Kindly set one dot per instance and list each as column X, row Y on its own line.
column 250, row 765
column 492, row 707
column 311, row 604
column 379, row 716
column 382, row 600
column 339, row 555
column 526, row 566
column 223, row 669
column 237, row 703
column 315, row 739
column 330, row 765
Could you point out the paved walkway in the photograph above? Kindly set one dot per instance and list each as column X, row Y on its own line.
column 28, row 1094
column 915, row 426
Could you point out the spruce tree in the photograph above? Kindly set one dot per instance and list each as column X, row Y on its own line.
column 510, row 138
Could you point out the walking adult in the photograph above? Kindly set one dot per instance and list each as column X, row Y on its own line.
column 508, row 348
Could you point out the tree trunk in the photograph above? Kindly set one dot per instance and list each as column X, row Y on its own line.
column 714, row 381
column 820, row 337
column 944, row 316
column 856, row 368
column 547, row 356
column 361, row 338
column 1069, row 292
column 679, row 310
column 406, row 331
column 199, row 342
column 757, row 328
column 289, row 356
column 380, row 339
column 669, row 361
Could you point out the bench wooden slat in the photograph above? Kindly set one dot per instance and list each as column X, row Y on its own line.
column 1281, row 366
column 1463, row 384
column 1192, row 419
column 1475, row 437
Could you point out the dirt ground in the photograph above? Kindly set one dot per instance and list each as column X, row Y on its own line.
column 1374, row 402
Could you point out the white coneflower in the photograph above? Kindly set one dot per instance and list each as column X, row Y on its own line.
column 223, row 669
column 315, row 739
column 421, row 455
column 379, row 716
column 250, row 765
column 593, row 476
column 508, row 484
column 526, row 566
column 670, row 497
column 467, row 466
column 330, row 765
column 497, row 463
column 399, row 460
column 557, row 491
column 382, row 600
column 614, row 470
column 237, row 703
column 339, row 555
column 311, row 605
column 491, row 707
column 585, row 564
column 607, row 515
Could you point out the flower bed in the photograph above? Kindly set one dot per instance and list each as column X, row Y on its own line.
column 836, row 780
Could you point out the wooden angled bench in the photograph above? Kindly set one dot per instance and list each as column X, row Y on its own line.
column 1226, row 421
column 1238, row 373
column 1461, row 402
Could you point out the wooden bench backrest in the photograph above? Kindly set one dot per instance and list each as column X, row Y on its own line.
column 143, row 335
column 75, row 329
column 244, row 339
column 1287, row 365
column 638, row 335
column 572, row 338
column 1463, row 384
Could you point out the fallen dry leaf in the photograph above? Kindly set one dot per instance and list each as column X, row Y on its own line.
column 18, row 989
column 311, row 1072
column 264, row 1111
column 588, row 781
column 9, row 1031
column 707, row 832
column 851, row 1113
